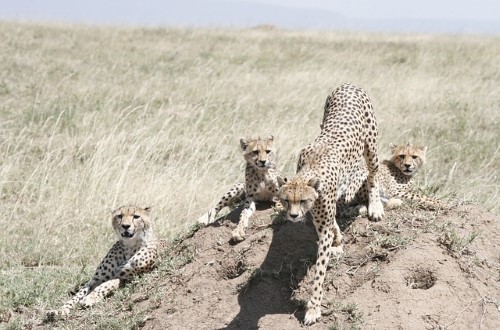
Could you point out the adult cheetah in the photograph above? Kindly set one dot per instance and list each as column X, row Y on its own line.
column 135, row 252
column 396, row 178
column 260, row 183
column 348, row 133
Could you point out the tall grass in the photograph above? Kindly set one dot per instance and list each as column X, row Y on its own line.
column 93, row 118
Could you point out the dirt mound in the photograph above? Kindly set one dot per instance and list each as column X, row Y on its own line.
column 414, row 270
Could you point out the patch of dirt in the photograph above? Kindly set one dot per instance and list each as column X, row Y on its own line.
column 420, row 278
column 416, row 269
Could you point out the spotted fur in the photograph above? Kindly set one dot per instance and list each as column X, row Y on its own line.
column 396, row 178
column 260, row 183
column 348, row 134
column 135, row 252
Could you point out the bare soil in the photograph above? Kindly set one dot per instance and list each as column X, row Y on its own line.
column 416, row 269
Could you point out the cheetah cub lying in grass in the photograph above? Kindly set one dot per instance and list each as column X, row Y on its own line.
column 396, row 177
column 135, row 252
column 260, row 183
column 324, row 173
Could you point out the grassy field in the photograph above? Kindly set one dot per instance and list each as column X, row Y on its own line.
column 94, row 118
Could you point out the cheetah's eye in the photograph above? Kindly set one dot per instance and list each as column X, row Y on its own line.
column 302, row 201
column 414, row 157
column 268, row 151
column 255, row 152
column 402, row 156
column 136, row 216
column 119, row 216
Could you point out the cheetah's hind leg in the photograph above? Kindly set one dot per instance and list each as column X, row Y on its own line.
column 375, row 207
column 100, row 292
column 52, row 315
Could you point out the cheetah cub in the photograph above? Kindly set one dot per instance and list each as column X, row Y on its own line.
column 135, row 252
column 397, row 179
column 260, row 183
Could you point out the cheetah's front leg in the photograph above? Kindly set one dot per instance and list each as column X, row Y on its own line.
column 325, row 248
column 234, row 195
column 239, row 232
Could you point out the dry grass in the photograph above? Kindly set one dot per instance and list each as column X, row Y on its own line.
column 93, row 118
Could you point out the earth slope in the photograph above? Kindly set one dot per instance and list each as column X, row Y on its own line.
column 416, row 269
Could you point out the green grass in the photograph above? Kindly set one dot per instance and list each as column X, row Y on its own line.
column 455, row 243
column 94, row 118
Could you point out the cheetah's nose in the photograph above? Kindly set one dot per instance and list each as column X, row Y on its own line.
column 294, row 215
column 263, row 162
column 125, row 227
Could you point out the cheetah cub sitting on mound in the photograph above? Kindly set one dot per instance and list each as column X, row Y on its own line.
column 135, row 252
column 260, row 183
column 324, row 172
column 397, row 178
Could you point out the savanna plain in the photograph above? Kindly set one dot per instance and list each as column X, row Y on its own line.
column 93, row 118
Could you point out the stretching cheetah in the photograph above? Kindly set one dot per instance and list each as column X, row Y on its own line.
column 260, row 183
column 135, row 252
column 349, row 133
column 396, row 178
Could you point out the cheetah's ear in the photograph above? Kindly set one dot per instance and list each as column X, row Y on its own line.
column 243, row 144
column 147, row 209
column 281, row 181
column 424, row 150
column 270, row 138
column 393, row 147
column 314, row 183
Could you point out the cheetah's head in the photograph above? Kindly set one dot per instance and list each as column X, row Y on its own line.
column 258, row 152
column 408, row 158
column 131, row 223
column 298, row 196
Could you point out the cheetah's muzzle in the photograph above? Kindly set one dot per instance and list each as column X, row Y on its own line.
column 128, row 235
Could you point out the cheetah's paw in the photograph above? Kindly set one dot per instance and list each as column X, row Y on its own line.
column 238, row 234
column 52, row 315
column 312, row 315
column 88, row 301
column 207, row 218
column 336, row 251
column 203, row 219
column 393, row 203
column 375, row 211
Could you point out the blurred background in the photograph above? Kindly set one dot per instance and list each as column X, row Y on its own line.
column 425, row 16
